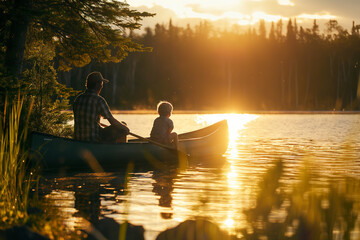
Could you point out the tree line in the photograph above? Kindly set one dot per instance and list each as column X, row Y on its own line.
column 287, row 67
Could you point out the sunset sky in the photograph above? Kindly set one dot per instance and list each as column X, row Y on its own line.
column 248, row 12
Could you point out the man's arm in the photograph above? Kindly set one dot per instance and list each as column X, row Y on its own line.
column 118, row 124
column 105, row 112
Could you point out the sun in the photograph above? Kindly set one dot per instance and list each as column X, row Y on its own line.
column 236, row 123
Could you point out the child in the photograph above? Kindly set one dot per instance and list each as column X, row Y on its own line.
column 163, row 125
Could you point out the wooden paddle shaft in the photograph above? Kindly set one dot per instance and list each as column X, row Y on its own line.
column 151, row 141
column 148, row 140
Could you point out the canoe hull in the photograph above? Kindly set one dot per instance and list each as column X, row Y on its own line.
column 56, row 152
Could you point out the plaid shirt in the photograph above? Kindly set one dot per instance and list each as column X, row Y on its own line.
column 88, row 107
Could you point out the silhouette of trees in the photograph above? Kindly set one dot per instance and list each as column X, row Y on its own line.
column 201, row 67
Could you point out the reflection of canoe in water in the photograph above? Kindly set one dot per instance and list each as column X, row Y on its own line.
column 56, row 152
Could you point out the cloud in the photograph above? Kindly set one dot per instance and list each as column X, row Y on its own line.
column 249, row 11
column 286, row 3
column 197, row 8
column 346, row 9
column 162, row 15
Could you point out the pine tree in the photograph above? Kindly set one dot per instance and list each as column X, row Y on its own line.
column 290, row 35
column 81, row 30
column 262, row 29
column 272, row 32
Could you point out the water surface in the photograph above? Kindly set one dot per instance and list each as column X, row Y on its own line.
column 159, row 199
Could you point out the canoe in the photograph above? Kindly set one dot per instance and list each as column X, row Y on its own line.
column 54, row 152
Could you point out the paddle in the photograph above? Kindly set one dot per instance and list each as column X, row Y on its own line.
column 183, row 157
column 181, row 154
column 153, row 142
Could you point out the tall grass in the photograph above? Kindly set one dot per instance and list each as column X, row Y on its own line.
column 15, row 179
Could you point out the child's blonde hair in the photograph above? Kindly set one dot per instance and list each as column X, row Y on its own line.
column 164, row 108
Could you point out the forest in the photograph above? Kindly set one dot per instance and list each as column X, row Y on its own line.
column 286, row 67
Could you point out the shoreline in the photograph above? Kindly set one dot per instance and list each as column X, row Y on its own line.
column 230, row 112
column 235, row 112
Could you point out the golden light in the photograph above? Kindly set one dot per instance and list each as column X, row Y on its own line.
column 65, row 202
column 232, row 180
column 181, row 5
column 286, row 3
column 232, row 11
column 236, row 122
column 229, row 223
column 258, row 15
column 317, row 16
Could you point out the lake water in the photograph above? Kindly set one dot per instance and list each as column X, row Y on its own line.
column 161, row 199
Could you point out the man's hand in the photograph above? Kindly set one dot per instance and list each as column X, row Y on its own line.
column 119, row 125
column 126, row 129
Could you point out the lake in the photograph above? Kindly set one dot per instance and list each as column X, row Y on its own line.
column 328, row 144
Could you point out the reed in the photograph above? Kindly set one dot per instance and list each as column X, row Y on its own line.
column 15, row 177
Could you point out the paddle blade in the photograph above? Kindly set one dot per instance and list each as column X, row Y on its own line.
column 358, row 88
column 183, row 159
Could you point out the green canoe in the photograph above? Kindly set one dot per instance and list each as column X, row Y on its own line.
column 55, row 152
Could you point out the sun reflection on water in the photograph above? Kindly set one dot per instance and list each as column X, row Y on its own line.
column 64, row 201
column 231, row 179
column 237, row 123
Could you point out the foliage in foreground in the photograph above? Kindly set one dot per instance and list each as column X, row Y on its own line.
column 15, row 180
column 305, row 212
column 19, row 206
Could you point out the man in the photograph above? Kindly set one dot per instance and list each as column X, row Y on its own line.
column 88, row 107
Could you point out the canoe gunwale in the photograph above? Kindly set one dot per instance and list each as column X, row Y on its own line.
column 215, row 126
